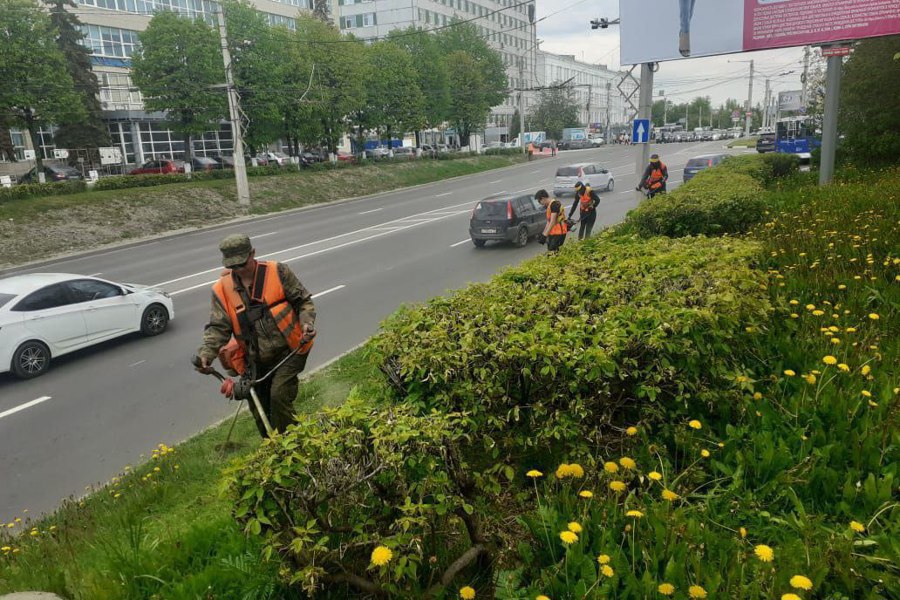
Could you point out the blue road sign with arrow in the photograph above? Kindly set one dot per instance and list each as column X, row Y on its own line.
column 640, row 131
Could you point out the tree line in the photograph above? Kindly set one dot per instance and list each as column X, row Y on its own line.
column 309, row 85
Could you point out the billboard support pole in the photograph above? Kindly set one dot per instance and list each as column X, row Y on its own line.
column 645, row 111
column 829, row 127
column 749, row 114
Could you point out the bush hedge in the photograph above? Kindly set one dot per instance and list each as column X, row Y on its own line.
column 28, row 190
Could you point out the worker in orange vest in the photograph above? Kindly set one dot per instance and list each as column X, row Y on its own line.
column 655, row 177
column 530, row 150
column 263, row 313
column 586, row 201
column 554, row 234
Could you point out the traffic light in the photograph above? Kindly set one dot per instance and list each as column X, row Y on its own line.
column 599, row 23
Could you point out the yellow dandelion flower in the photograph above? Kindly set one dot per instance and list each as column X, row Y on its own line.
column 793, row 302
column 835, row 341
column 607, row 571
column 564, row 470
column 627, row 463
column 790, row 596
column 866, row 393
column 790, row 372
column 850, row 330
column 534, row 474
column 697, row 592
column 866, row 370
column 603, row 559
column 467, row 593
column 635, row 514
column 810, row 379
column 666, row 589
column 743, row 532
column 829, row 360
column 631, row 431
column 873, row 404
column 617, row 486
column 795, row 316
column 654, row 475
column 5, row 549
column 844, row 367
column 610, row 467
column 810, row 307
column 801, row 583
column 381, row 556
column 577, row 470
column 842, row 287
column 34, row 533
column 764, row 553
column 757, row 396
column 704, row 453
column 586, row 494
column 669, row 495
column 857, row 527
column 695, row 424
column 818, row 313
column 574, row 527
column 541, row 597
column 874, row 316
column 568, row 537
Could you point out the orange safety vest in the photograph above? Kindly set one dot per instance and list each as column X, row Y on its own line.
column 585, row 203
column 267, row 290
column 530, row 147
column 657, row 178
column 560, row 228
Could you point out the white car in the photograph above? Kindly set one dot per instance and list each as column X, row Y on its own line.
column 278, row 158
column 45, row 315
column 596, row 140
column 593, row 174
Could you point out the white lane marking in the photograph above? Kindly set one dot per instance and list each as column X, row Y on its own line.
column 262, row 235
column 140, row 362
column 442, row 195
column 16, row 409
column 497, row 181
column 628, row 192
column 95, row 274
column 328, row 291
column 535, row 171
column 334, row 237
column 460, row 243
column 374, row 210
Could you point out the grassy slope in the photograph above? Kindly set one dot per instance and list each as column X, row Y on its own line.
column 83, row 221
column 165, row 533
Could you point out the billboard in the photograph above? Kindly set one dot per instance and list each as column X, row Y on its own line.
column 658, row 30
column 790, row 101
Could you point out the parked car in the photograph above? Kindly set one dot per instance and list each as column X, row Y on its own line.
column 225, row 162
column 504, row 217
column 575, row 144
column 407, row 152
column 312, row 157
column 345, row 156
column 596, row 140
column 765, row 143
column 273, row 158
column 47, row 315
column 594, row 174
column 377, row 153
column 204, row 163
column 159, row 167
column 701, row 163
column 52, row 173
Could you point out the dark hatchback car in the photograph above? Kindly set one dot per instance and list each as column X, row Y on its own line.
column 506, row 218
column 52, row 173
column 203, row 163
column 765, row 143
column 701, row 163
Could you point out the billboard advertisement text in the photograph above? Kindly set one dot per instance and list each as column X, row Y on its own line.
column 658, row 30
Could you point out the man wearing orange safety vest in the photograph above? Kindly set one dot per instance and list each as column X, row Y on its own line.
column 557, row 227
column 261, row 315
column 655, row 177
column 586, row 201
column 530, row 149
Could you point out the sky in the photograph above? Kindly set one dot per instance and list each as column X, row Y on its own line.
column 566, row 29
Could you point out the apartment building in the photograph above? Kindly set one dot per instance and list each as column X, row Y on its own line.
column 595, row 88
column 111, row 30
column 505, row 24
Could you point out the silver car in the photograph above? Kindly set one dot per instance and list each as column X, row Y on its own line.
column 593, row 174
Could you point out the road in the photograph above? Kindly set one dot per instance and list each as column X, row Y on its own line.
column 103, row 408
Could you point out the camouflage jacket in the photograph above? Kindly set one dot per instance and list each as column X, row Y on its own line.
column 271, row 342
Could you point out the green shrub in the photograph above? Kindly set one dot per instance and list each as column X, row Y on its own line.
column 707, row 205
column 338, row 484
column 503, row 152
column 121, row 182
column 29, row 190
column 764, row 168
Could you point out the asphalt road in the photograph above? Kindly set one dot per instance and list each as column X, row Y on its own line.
column 105, row 407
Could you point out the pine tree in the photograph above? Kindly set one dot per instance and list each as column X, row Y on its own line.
column 321, row 11
column 89, row 132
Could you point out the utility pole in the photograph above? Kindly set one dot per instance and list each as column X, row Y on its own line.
column 590, row 96
column 645, row 111
column 832, row 104
column 234, row 112
column 749, row 103
column 522, row 105
column 805, row 76
column 767, row 103
column 608, row 88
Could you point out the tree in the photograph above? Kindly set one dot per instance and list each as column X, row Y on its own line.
column 430, row 65
column 394, row 102
column 90, row 132
column 515, row 127
column 260, row 71
column 321, row 11
column 870, row 113
column 334, row 69
column 36, row 88
column 470, row 106
column 176, row 68
column 555, row 110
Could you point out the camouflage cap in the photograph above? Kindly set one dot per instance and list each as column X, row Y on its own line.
column 235, row 249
